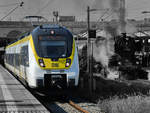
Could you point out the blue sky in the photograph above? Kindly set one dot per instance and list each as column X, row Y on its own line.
column 69, row 7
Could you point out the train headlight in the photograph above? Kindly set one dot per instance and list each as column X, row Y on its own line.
column 145, row 53
column 41, row 62
column 137, row 62
column 68, row 62
column 119, row 63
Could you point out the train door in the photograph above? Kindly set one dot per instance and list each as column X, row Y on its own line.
column 24, row 62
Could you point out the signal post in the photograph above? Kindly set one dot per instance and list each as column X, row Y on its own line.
column 91, row 34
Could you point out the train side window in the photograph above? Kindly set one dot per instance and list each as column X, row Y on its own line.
column 24, row 56
column 8, row 58
column 12, row 59
column 17, row 60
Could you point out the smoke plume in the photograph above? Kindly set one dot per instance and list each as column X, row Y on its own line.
column 103, row 49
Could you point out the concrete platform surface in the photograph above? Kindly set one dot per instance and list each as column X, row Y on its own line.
column 15, row 98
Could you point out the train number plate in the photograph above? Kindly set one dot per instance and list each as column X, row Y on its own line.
column 56, row 76
column 55, row 65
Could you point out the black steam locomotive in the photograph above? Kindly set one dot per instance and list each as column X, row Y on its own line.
column 132, row 56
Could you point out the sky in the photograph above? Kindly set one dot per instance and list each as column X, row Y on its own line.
column 70, row 8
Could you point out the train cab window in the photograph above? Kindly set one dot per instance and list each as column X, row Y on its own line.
column 58, row 45
column 53, row 49
column 52, row 46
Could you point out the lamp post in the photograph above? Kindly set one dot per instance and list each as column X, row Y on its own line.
column 88, row 52
column 88, row 40
column 90, row 47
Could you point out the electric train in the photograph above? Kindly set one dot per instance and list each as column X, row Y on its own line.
column 45, row 57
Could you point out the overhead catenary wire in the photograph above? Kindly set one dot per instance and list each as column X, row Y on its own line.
column 104, row 17
column 20, row 5
column 101, row 17
column 45, row 6
column 30, row 17
column 8, row 5
column 108, row 16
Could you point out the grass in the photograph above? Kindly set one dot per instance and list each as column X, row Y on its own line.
column 119, row 96
column 131, row 104
column 106, row 88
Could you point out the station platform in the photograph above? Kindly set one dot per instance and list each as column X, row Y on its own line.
column 15, row 98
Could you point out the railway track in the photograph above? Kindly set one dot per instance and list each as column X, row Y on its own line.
column 65, row 104
column 69, row 107
column 77, row 107
column 60, row 103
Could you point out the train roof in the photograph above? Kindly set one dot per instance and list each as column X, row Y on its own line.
column 46, row 28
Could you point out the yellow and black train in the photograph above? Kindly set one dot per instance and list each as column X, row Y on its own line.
column 45, row 57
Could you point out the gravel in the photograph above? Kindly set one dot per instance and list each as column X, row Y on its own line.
column 58, row 107
column 90, row 107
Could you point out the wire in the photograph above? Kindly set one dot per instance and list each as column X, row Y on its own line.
column 20, row 5
column 9, row 13
column 7, row 5
column 43, row 8
column 20, row 0
column 100, row 18
column 108, row 16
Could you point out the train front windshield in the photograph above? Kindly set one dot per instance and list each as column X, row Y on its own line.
column 52, row 47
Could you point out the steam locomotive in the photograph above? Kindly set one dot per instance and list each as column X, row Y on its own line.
column 132, row 56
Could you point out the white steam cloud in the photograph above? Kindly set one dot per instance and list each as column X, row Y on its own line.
column 103, row 49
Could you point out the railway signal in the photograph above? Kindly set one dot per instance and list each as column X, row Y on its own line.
column 92, row 33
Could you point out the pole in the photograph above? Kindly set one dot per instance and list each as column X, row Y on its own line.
column 88, row 41
column 89, row 67
column 55, row 14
